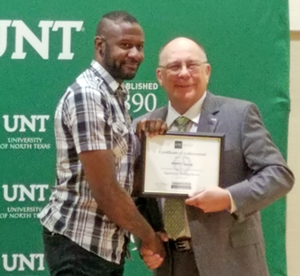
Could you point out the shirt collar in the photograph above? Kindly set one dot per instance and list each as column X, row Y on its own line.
column 193, row 113
column 111, row 82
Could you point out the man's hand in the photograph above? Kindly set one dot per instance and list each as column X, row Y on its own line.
column 163, row 236
column 151, row 127
column 210, row 200
column 153, row 253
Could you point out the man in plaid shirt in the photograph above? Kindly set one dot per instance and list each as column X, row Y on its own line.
column 90, row 213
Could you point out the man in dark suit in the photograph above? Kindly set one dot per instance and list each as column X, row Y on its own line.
column 222, row 234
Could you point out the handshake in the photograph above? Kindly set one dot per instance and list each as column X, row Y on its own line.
column 152, row 250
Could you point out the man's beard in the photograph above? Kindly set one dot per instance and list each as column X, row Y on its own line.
column 116, row 71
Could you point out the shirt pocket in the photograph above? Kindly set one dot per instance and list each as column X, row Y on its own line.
column 120, row 139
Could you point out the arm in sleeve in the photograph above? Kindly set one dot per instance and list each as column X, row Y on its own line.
column 271, row 178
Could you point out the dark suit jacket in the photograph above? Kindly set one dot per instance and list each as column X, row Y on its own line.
column 254, row 172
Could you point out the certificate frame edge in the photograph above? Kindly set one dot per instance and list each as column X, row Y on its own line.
column 177, row 133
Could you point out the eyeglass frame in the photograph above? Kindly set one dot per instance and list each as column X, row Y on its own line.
column 188, row 66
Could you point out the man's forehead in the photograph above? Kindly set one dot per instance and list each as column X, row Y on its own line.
column 117, row 28
column 174, row 54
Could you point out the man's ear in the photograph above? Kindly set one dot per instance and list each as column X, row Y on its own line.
column 207, row 71
column 99, row 43
column 158, row 76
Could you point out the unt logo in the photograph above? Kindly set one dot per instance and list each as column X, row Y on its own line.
column 40, row 45
column 19, row 262
column 20, row 192
column 21, row 123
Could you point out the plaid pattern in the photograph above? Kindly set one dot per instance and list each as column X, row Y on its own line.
column 90, row 116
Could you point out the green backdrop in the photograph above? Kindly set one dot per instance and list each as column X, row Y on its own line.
column 44, row 45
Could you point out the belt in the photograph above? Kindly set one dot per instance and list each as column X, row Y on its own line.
column 181, row 244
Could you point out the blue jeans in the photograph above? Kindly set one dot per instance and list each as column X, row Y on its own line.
column 66, row 258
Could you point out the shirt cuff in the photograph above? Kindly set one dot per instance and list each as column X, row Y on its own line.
column 232, row 208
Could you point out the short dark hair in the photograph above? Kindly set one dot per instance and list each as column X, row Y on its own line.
column 115, row 16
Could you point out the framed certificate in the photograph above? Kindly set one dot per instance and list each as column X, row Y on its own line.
column 180, row 163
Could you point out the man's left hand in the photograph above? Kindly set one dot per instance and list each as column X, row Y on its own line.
column 210, row 200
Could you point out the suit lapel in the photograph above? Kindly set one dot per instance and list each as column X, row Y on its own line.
column 208, row 120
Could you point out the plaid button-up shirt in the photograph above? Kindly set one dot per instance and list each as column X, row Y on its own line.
column 91, row 115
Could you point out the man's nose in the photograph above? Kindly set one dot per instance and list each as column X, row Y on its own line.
column 134, row 52
column 184, row 71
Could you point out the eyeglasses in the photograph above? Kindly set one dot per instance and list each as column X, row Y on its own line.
column 175, row 68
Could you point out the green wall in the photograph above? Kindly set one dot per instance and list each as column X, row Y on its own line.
column 247, row 43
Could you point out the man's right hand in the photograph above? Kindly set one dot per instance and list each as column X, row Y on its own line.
column 153, row 252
